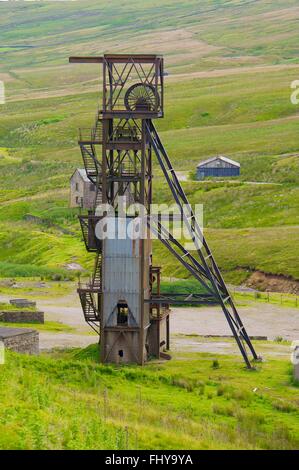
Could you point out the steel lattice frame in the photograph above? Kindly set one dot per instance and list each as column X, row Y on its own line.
column 128, row 138
column 204, row 267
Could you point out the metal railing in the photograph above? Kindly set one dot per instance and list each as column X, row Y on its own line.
column 93, row 134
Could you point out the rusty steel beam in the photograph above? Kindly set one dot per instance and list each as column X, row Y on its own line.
column 123, row 58
column 116, row 58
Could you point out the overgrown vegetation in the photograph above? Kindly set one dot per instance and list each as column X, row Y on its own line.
column 4, row 307
column 48, row 326
column 66, row 400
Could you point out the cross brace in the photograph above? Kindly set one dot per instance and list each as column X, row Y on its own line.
column 200, row 263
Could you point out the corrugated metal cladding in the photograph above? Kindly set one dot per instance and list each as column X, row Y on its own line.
column 121, row 276
column 121, row 244
column 121, row 273
column 203, row 172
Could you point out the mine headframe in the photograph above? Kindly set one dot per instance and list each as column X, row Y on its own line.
column 124, row 133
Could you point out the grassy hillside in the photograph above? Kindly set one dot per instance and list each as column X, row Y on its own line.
column 69, row 401
column 230, row 66
column 234, row 30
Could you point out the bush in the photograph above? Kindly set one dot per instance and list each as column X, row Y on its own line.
column 11, row 270
column 284, row 406
column 215, row 364
column 221, row 390
column 224, row 410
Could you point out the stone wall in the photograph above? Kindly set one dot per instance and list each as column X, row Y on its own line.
column 20, row 340
column 22, row 303
column 296, row 362
column 22, row 316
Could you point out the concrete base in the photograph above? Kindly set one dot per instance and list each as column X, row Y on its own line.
column 122, row 345
column 22, row 316
column 158, row 335
column 21, row 340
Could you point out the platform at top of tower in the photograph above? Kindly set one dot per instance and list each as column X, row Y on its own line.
column 117, row 58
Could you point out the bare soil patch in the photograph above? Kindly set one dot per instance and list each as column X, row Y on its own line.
column 272, row 283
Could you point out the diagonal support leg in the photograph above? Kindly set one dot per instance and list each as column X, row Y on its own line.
column 205, row 268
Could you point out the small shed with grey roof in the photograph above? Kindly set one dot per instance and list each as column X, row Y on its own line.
column 83, row 191
column 219, row 166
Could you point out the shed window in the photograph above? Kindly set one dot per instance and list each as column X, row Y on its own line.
column 92, row 187
column 77, row 186
column 122, row 313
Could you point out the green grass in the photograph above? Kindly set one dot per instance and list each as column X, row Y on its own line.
column 187, row 286
column 240, row 251
column 6, row 307
column 31, row 287
column 69, row 401
column 48, row 251
column 247, row 31
column 243, row 110
column 179, row 286
column 283, row 300
column 66, row 400
column 48, row 326
column 12, row 270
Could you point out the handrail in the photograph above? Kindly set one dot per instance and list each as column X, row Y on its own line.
column 93, row 134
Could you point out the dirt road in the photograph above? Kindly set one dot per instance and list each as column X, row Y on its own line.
column 187, row 325
column 260, row 319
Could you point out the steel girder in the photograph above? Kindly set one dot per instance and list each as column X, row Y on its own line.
column 200, row 263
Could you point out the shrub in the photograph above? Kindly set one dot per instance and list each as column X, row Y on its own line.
column 215, row 364
column 182, row 383
column 224, row 410
column 283, row 406
column 221, row 390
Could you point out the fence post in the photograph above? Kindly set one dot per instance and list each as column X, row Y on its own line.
column 127, row 438
column 105, row 403
column 2, row 92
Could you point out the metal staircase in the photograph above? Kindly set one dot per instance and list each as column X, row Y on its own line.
column 200, row 263
column 99, row 196
column 90, row 293
column 90, row 296
column 90, row 161
column 90, row 308
column 97, row 277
